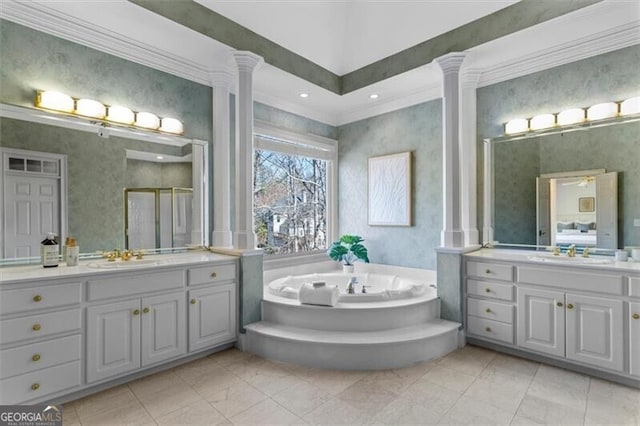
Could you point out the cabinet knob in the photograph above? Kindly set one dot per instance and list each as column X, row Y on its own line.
column 146, row 310
column 36, row 327
column 35, row 357
column 560, row 305
column 193, row 301
column 213, row 275
column 35, row 386
column 488, row 329
column 488, row 310
column 136, row 312
column 487, row 271
column 37, row 298
column 487, row 290
column 635, row 316
column 569, row 306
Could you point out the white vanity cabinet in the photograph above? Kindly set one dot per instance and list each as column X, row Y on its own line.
column 568, row 313
column 73, row 335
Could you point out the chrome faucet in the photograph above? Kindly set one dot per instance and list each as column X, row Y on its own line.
column 351, row 285
column 364, row 288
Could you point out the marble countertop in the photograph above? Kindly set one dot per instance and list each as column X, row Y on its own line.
column 17, row 274
column 546, row 258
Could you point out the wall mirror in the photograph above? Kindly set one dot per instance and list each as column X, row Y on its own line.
column 569, row 173
column 71, row 176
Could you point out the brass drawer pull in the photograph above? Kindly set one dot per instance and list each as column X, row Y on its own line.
column 136, row 312
column 146, row 310
column 213, row 275
column 35, row 357
column 193, row 301
column 488, row 311
column 487, row 290
column 35, row 386
column 488, row 329
column 560, row 305
column 569, row 306
column 36, row 327
column 37, row 298
column 635, row 316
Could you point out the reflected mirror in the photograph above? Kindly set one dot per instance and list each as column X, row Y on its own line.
column 517, row 184
column 71, row 177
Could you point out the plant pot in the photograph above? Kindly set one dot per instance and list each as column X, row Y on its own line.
column 347, row 269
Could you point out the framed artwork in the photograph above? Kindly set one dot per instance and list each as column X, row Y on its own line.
column 587, row 204
column 389, row 191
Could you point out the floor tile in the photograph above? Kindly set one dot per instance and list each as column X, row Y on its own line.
column 567, row 394
column 508, row 364
column 450, row 379
column 544, row 411
column 468, row 411
column 235, row 399
column 130, row 412
column 336, row 412
column 103, row 401
column 616, row 408
column 404, row 411
column 169, row 399
column 547, row 373
column 331, row 381
column 500, row 394
column 198, row 413
column 194, row 371
column 302, row 398
column 267, row 412
column 154, row 383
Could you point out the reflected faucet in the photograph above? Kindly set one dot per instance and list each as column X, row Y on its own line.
column 571, row 250
column 585, row 252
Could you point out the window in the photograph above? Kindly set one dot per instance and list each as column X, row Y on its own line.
column 292, row 192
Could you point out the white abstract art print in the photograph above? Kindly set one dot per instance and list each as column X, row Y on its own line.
column 390, row 190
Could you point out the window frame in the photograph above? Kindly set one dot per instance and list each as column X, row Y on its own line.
column 271, row 138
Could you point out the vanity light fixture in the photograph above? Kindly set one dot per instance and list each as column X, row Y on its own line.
column 147, row 120
column 518, row 125
column 542, row 121
column 55, row 100
column 171, row 125
column 602, row 111
column 571, row 116
column 105, row 114
column 630, row 106
column 90, row 108
column 120, row 114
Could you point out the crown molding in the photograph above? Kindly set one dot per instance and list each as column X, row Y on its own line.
column 294, row 108
column 41, row 18
column 586, row 47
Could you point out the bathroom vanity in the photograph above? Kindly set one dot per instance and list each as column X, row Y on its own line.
column 68, row 331
column 578, row 313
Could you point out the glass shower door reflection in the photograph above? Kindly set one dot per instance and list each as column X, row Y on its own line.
column 141, row 220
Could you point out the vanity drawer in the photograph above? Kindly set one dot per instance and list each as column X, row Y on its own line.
column 34, row 326
column 40, row 383
column 27, row 299
column 490, row 270
column 212, row 274
column 490, row 289
column 490, row 329
column 28, row 358
column 634, row 287
column 126, row 285
column 490, row 310
column 572, row 280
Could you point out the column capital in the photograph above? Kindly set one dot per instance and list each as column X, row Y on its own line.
column 451, row 62
column 245, row 60
column 470, row 77
column 222, row 78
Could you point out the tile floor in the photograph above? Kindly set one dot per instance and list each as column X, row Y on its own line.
column 470, row 386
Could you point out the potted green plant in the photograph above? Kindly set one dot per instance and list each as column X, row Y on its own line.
column 347, row 250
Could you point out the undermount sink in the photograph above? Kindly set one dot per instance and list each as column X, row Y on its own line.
column 566, row 259
column 124, row 264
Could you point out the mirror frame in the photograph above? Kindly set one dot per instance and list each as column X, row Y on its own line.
column 199, row 160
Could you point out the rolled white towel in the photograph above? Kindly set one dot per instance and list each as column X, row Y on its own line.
column 326, row 295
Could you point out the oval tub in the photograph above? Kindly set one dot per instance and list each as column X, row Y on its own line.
column 380, row 287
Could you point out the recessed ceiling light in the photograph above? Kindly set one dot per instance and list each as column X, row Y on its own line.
column 159, row 157
column 304, row 95
column 373, row 96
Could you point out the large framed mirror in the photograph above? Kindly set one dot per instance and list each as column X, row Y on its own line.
column 576, row 186
column 71, row 176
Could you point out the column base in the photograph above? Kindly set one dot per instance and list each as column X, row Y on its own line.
column 453, row 238
column 244, row 240
column 221, row 239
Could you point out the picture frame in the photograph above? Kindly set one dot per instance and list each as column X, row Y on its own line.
column 389, row 190
column 586, row 204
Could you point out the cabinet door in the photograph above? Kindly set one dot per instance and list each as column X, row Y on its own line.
column 634, row 338
column 113, row 339
column 212, row 316
column 541, row 320
column 594, row 331
column 164, row 327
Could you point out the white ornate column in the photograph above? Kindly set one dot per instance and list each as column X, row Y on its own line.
column 200, row 209
column 221, row 81
column 452, row 234
column 487, row 230
column 468, row 156
column 243, row 235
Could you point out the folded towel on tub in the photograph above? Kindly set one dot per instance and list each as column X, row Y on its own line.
column 315, row 294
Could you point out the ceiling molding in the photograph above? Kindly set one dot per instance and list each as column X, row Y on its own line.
column 40, row 18
column 593, row 45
